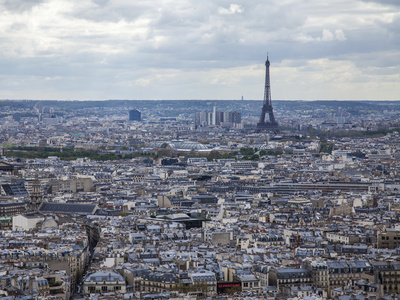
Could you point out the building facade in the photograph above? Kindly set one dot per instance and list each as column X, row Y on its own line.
column 135, row 115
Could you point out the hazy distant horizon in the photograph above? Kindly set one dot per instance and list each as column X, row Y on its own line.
column 205, row 100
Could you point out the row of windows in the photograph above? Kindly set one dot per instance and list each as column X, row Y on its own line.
column 157, row 290
column 156, row 284
column 322, row 278
column 390, row 287
column 344, row 275
column 94, row 289
column 337, row 282
column 391, row 274
column 295, row 280
column 387, row 238
column 246, row 284
column 393, row 280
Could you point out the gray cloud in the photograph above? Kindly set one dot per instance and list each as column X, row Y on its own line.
column 101, row 3
column 384, row 2
column 20, row 5
column 200, row 47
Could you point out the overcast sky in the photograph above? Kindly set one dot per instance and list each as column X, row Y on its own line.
column 199, row 49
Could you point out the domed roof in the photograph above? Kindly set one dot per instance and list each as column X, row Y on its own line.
column 187, row 145
column 49, row 223
column 180, row 145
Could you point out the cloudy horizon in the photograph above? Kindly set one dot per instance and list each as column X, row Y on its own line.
column 177, row 49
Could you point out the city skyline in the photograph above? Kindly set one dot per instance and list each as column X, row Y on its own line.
column 100, row 50
column 186, row 200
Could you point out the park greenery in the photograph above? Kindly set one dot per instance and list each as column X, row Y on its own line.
column 69, row 153
column 246, row 153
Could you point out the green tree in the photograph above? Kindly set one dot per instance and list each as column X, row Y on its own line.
column 254, row 157
column 246, row 151
column 214, row 154
column 78, row 276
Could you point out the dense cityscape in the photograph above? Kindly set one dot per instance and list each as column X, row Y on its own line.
column 188, row 200
column 142, row 155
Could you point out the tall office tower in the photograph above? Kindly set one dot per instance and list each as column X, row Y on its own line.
column 135, row 115
column 202, row 118
column 232, row 117
column 214, row 116
column 270, row 124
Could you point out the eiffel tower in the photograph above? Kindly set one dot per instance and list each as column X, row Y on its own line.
column 270, row 124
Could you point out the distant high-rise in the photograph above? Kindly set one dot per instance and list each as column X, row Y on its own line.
column 217, row 118
column 214, row 116
column 135, row 115
column 270, row 124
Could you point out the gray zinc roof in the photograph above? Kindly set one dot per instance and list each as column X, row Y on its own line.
column 68, row 208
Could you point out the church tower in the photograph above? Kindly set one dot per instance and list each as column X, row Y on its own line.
column 36, row 196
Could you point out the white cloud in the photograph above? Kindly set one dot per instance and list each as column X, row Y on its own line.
column 233, row 9
column 327, row 36
column 340, row 35
column 143, row 82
